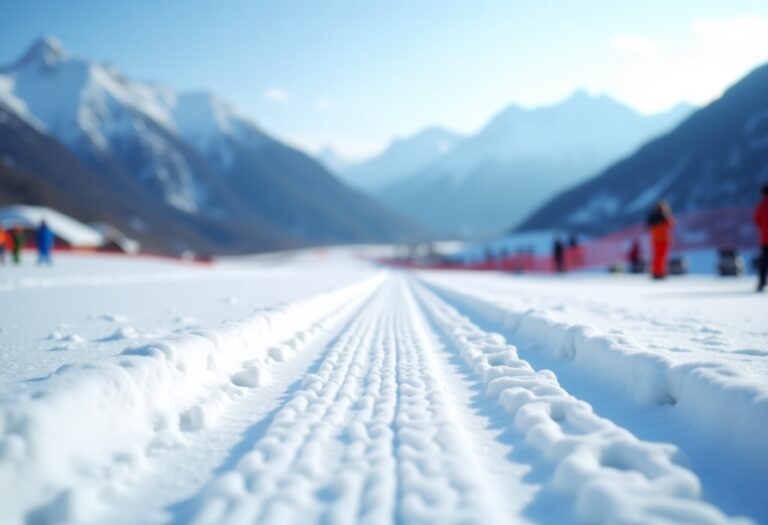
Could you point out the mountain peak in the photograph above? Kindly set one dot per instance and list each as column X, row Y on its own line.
column 580, row 94
column 45, row 50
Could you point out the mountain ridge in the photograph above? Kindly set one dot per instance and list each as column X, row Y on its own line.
column 519, row 159
column 402, row 157
column 717, row 157
column 188, row 152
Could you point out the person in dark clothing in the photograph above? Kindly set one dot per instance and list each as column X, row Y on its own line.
column 44, row 238
column 761, row 221
column 660, row 224
column 635, row 257
column 558, row 254
column 18, row 239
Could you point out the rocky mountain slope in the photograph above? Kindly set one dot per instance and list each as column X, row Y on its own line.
column 189, row 161
column 717, row 158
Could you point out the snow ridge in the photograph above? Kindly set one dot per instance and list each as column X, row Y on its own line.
column 720, row 401
column 612, row 476
column 147, row 398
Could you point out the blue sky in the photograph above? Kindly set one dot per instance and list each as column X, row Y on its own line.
column 355, row 74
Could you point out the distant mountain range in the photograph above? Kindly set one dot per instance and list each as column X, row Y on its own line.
column 178, row 171
column 334, row 162
column 482, row 183
column 403, row 159
column 717, row 158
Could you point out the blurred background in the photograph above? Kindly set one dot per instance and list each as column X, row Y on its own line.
column 471, row 133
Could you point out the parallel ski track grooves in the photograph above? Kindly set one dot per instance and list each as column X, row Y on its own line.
column 238, row 419
column 376, row 434
column 364, row 479
column 371, row 437
column 427, row 429
column 503, row 456
column 306, row 426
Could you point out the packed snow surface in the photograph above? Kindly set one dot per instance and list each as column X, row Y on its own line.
column 319, row 388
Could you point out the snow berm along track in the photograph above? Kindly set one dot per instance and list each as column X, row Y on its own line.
column 375, row 403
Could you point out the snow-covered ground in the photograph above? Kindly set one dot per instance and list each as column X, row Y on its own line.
column 318, row 388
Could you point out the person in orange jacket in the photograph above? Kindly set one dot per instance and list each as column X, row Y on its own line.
column 660, row 224
column 761, row 220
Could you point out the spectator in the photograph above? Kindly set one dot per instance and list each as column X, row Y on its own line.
column 635, row 257
column 18, row 239
column 5, row 243
column 44, row 238
column 761, row 221
column 660, row 224
column 558, row 255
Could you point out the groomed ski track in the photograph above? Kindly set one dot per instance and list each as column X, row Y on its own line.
column 388, row 406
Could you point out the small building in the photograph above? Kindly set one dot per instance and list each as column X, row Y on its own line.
column 67, row 231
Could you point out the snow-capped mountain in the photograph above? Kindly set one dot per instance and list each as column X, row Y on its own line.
column 519, row 159
column 717, row 158
column 105, row 119
column 37, row 169
column 192, row 153
column 404, row 157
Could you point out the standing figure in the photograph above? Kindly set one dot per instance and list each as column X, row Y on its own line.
column 635, row 257
column 761, row 220
column 660, row 224
column 18, row 239
column 5, row 243
column 44, row 243
column 558, row 254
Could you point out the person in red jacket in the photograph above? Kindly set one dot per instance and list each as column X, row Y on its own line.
column 761, row 220
column 5, row 244
column 660, row 224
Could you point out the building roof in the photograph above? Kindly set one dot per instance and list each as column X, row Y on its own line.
column 64, row 227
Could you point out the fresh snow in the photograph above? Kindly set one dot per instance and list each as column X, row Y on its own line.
column 316, row 387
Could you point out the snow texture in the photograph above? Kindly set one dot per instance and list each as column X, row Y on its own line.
column 718, row 398
column 142, row 398
column 146, row 391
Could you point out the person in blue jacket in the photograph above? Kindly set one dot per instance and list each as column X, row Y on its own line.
column 44, row 243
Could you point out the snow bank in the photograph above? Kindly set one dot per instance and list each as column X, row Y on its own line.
column 71, row 439
column 723, row 403
column 612, row 476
